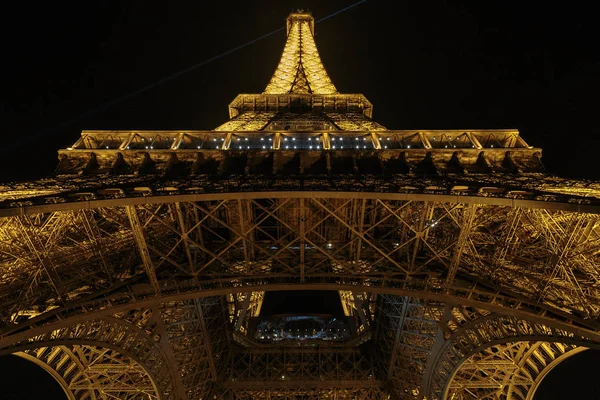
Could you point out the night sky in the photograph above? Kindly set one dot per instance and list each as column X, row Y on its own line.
column 424, row 65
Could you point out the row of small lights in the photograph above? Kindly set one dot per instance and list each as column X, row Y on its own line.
column 287, row 147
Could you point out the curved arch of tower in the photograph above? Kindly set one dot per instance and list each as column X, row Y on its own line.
column 140, row 270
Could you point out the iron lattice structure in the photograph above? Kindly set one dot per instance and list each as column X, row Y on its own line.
column 136, row 270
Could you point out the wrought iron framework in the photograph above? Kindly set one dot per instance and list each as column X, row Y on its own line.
column 135, row 271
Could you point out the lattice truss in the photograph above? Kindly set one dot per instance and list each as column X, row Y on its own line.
column 253, row 121
column 434, row 350
column 248, row 121
column 171, row 350
column 460, row 287
column 90, row 372
column 58, row 258
column 58, row 265
column 305, row 394
column 300, row 69
column 512, row 371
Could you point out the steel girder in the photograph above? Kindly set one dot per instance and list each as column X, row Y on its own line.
column 531, row 258
column 90, row 372
column 158, row 275
column 512, row 371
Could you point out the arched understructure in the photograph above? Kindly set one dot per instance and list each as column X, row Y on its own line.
column 90, row 372
column 511, row 370
column 461, row 268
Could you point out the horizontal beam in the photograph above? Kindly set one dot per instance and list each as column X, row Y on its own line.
column 122, row 200
column 62, row 318
column 305, row 384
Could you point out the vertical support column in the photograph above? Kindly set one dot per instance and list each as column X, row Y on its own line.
column 184, row 236
column 302, row 214
column 140, row 239
column 421, row 232
column 276, row 141
column 326, row 141
column 396, row 348
column 361, row 225
column 465, row 229
column 243, row 234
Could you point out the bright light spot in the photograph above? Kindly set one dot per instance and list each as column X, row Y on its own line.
column 408, row 147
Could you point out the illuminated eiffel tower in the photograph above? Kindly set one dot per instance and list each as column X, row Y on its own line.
column 140, row 269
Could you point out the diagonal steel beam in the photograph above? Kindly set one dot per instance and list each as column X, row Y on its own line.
column 360, row 234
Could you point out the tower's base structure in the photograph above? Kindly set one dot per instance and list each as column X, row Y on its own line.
column 139, row 270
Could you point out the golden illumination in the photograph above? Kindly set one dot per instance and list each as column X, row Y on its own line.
column 300, row 69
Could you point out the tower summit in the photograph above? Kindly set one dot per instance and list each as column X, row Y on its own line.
column 140, row 269
column 300, row 70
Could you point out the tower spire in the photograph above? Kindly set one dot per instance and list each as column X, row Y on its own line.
column 300, row 70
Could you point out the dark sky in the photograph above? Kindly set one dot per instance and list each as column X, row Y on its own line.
column 424, row 65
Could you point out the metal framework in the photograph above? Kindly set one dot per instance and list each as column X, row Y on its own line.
column 136, row 270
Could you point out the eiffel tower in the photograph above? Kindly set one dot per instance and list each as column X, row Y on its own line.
column 139, row 270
